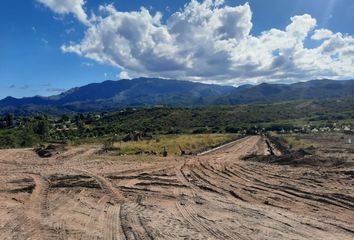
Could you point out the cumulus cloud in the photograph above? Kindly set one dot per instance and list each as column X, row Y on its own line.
column 62, row 7
column 211, row 42
column 321, row 34
column 123, row 75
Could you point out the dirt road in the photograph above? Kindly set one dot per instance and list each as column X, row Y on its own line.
column 78, row 195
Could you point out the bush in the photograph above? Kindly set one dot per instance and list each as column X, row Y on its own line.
column 8, row 141
column 201, row 130
column 231, row 129
column 28, row 139
column 108, row 144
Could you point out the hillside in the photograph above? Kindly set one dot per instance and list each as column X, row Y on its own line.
column 311, row 90
column 111, row 95
column 114, row 94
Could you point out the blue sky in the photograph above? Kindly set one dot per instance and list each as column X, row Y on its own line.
column 36, row 58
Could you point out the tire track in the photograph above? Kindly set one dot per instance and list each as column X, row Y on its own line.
column 292, row 191
column 112, row 229
column 191, row 215
column 213, row 196
column 94, row 217
column 132, row 224
column 106, row 185
column 37, row 208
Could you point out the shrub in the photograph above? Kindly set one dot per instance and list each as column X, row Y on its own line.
column 8, row 141
column 108, row 144
column 201, row 130
column 230, row 129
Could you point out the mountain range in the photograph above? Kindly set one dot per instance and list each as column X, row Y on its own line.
column 110, row 95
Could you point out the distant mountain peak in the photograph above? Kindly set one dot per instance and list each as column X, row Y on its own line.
column 120, row 93
column 113, row 94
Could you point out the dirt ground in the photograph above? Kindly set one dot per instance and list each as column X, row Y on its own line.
column 78, row 194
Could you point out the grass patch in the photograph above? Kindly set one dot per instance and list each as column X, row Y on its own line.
column 297, row 143
column 189, row 143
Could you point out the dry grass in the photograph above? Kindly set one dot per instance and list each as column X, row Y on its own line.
column 297, row 143
column 189, row 143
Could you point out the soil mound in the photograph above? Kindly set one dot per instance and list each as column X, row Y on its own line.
column 49, row 150
column 299, row 158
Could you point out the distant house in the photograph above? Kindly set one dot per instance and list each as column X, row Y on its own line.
column 325, row 129
column 159, row 106
column 315, row 130
column 66, row 129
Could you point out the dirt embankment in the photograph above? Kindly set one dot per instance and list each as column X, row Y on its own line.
column 280, row 153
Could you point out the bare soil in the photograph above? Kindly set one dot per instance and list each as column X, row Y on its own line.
column 78, row 194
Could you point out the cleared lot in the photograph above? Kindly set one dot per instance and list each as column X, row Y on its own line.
column 81, row 195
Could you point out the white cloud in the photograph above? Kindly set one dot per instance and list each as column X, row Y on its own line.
column 321, row 34
column 123, row 75
column 62, row 7
column 210, row 42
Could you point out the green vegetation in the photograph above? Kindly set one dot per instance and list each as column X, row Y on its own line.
column 294, row 116
column 296, row 142
column 24, row 132
column 173, row 144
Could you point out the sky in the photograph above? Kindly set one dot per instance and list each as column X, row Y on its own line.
column 49, row 46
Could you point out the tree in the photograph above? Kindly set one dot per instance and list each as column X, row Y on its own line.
column 65, row 118
column 79, row 121
column 8, row 141
column 28, row 139
column 41, row 128
column 9, row 120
